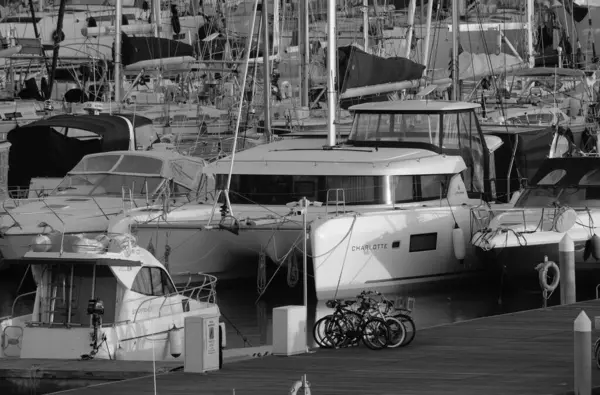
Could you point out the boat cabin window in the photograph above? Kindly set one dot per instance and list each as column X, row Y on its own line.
column 139, row 164
column 451, row 133
column 357, row 190
column 101, row 163
column 153, row 281
column 411, row 128
column 569, row 186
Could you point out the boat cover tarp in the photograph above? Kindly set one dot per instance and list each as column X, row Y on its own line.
column 533, row 147
column 137, row 49
column 358, row 69
column 39, row 149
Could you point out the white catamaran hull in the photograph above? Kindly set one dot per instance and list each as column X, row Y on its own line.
column 391, row 250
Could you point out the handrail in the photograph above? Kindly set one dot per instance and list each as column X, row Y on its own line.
column 12, row 313
column 195, row 293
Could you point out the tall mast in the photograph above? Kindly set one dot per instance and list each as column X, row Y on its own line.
column 266, row 69
column 304, row 43
column 332, row 71
column 366, row 24
column 117, row 72
column 455, row 46
column 156, row 19
column 530, row 10
column 58, row 35
column 412, row 7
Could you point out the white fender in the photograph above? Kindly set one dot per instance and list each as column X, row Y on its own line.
column 41, row 243
column 515, row 196
column 458, row 241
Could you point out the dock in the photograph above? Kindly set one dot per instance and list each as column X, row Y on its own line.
column 529, row 352
column 43, row 376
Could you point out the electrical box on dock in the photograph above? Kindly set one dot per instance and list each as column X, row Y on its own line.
column 202, row 344
column 289, row 330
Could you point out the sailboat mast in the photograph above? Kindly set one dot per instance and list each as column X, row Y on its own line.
column 455, row 46
column 530, row 10
column 117, row 71
column 156, row 19
column 304, row 42
column 332, row 71
column 412, row 7
column 266, row 70
column 58, row 35
column 366, row 24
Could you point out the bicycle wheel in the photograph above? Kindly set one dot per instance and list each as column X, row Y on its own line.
column 319, row 332
column 335, row 332
column 396, row 332
column 409, row 325
column 353, row 327
column 375, row 334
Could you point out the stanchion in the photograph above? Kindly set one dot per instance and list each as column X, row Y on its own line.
column 582, row 329
column 566, row 256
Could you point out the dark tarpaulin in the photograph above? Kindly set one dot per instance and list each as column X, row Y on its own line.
column 358, row 69
column 39, row 149
column 138, row 49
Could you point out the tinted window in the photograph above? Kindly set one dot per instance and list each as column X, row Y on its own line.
column 553, row 177
column 139, row 164
column 102, row 163
column 153, row 282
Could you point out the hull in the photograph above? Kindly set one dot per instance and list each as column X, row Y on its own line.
column 144, row 340
column 390, row 251
column 517, row 240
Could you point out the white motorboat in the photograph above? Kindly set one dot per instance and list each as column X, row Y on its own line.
column 404, row 161
column 108, row 290
column 99, row 187
column 563, row 198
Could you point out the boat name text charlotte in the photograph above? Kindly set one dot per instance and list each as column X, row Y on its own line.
column 370, row 247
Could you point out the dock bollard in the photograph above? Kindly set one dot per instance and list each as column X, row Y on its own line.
column 582, row 328
column 566, row 260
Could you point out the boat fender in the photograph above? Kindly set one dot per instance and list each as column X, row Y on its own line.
column 300, row 384
column 515, row 196
column 565, row 219
column 595, row 246
column 458, row 241
column 176, row 342
column 41, row 243
column 58, row 38
column 543, row 269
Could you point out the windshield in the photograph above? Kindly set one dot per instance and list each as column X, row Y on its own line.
column 107, row 185
column 414, row 128
column 557, row 188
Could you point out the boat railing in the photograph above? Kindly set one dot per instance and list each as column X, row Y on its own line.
column 518, row 218
column 205, row 291
column 14, row 305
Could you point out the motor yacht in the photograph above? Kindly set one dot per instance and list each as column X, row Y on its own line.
column 103, row 298
column 99, row 187
column 562, row 199
column 411, row 166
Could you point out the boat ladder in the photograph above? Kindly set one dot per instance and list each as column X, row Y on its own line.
column 336, row 196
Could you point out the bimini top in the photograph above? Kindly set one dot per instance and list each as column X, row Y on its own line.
column 415, row 106
column 113, row 129
column 170, row 165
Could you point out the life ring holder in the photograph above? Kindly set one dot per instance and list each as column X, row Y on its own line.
column 543, row 269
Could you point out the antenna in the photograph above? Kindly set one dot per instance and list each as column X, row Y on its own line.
column 153, row 366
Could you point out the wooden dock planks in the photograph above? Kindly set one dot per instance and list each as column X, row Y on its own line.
column 523, row 353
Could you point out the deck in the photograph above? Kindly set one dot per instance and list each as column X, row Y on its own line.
column 523, row 353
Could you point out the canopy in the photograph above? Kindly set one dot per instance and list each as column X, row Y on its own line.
column 477, row 65
column 138, row 49
column 39, row 150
